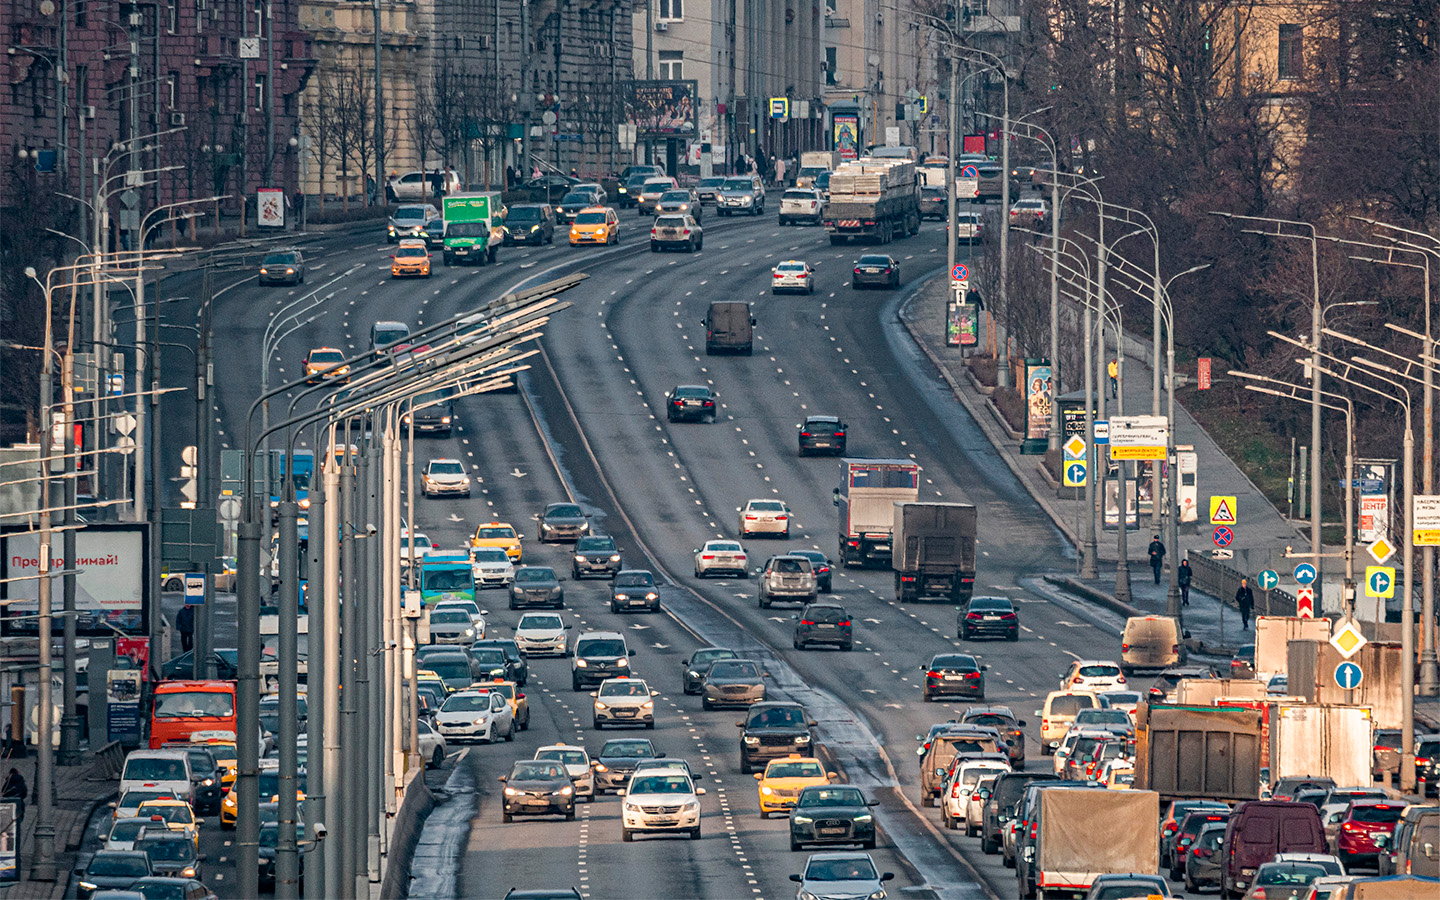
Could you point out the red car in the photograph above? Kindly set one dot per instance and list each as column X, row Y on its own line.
column 1364, row 821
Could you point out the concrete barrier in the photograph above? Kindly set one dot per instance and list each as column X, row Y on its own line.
column 404, row 833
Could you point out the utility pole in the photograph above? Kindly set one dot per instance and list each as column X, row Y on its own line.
column 379, row 112
column 42, row 866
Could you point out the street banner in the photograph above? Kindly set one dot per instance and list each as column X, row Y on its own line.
column 1374, row 517
column 270, row 207
column 1204, row 373
column 1038, row 409
column 122, row 706
column 661, row 109
column 9, row 843
column 847, row 136
column 1425, row 521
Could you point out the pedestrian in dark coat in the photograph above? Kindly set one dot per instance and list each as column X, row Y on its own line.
column 1157, row 557
column 14, row 790
column 185, row 624
column 1245, row 602
column 1182, row 575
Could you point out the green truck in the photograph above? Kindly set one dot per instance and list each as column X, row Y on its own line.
column 473, row 227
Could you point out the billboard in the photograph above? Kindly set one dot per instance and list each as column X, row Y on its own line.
column 110, row 588
column 661, row 109
column 847, row 136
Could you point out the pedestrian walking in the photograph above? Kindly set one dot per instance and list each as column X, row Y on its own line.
column 1114, row 370
column 1245, row 602
column 509, row 177
column 14, row 790
column 779, row 173
column 185, row 624
column 1157, row 557
column 1182, row 575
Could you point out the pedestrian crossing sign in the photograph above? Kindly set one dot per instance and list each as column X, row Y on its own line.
column 1222, row 510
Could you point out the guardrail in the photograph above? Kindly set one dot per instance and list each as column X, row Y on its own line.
column 1221, row 581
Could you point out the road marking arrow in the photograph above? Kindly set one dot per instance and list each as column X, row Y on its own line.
column 661, row 646
column 640, row 627
column 455, row 518
column 873, row 621
column 517, row 473
column 778, row 619
column 1069, row 624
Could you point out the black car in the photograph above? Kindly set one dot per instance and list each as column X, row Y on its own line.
column 598, row 655
column 517, row 669
column 832, row 814
column 691, row 403
column 773, row 730
column 876, row 268
column 112, row 870
column 1002, row 720
column 954, row 673
column 987, row 616
column 692, row 670
column 158, row 888
column 822, row 434
column 823, row 623
column 269, row 842
column 224, row 661
column 536, row 586
column 491, row 661
column 1427, row 761
column 282, row 267
column 934, row 202
column 629, row 193
column 205, row 774
column 542, row 894
column 435, row 235
column 617, row 759
column 571, row 204
column 538, row 787
column 549, row 188
column 172, row 853
column 634, row 589
column 530, row 223
column 457, row 668
column 822, row 566
column 563, row 522
column 596, row 554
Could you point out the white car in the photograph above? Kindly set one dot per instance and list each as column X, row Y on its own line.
column 801, row 205
column 476, row 614
column 1093, row 675
column 432, row 745
column 955, row 796
column 422, row 547
column 721, row 557
column 491, row 567
column 975, row 808
column 624, row 701
column 541, row 634
column 792, row 275
column 476, row 715
column 446, row 477
column 969, row 227
column 765, row 517
column 1126, row 700
column 577, row 765
column 660, row 802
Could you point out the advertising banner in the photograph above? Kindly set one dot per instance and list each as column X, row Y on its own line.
column 661, row 109
column 122, row 706
column 1112, row 505
column 1374, row 517
column 847, row 136
column 1038, row 408
column 9, row 843
column 964, row 321
column 109, row 589
column 270, row 207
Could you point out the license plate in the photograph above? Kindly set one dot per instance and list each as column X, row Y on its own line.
column 625, row 713
column 692, row 402
column 822, row 443
column 833, row 830
column 664, row 822
column 825, row 625
column 872, row 271
column 991, row 618
column 952, row 677
column 638, row 602
column 885, row 547
column 538, row 801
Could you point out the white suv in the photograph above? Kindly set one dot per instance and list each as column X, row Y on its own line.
column 660, row 801
column 423, row 185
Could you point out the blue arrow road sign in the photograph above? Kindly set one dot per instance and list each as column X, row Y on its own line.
column 1268, row 580
column 1075, row 473
column 1304, row 573
column 1379, row 582
column 1349, row 675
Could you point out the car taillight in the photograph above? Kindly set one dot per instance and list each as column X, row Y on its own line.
column 1009, row 615
column 857, row 271
column 803, row 433
column 932, row 674
column 709, row 403
column 852, row 543
column 687, row 231
column 839, row 434
column 806, row 622
column 904, row 577
column 1174, row 648
column 1352, row 827
column 653, row 232
column 1033, row 831
column 887, row 270
column 1202, row 853
column 973, row 615
column 778, row 275
column 706, row 556
column 749, row 517
column 781, row 518
column 1170, row 828
column 972, row 674
column 1124, row 648
column 1120, row 680
column 845, row 624
column 677, row 402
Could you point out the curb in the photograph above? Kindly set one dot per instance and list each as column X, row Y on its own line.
column 1075, row 586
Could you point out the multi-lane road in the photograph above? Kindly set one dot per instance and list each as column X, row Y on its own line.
column 589, row 424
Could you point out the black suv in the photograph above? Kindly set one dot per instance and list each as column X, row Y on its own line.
column 594, row 555
column 598, row 655
column 772, row 731
column 517, row 668
column 530, row 223
column 823, row 623
column 822, row 434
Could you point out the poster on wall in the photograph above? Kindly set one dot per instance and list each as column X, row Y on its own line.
column 847, row 136
column 9, row 843
column 270, row 207
column 1037, row 400
column 109, row 589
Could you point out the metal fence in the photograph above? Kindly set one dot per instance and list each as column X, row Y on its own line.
column 1216, row 578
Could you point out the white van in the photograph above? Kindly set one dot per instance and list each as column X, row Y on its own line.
column 162, row 770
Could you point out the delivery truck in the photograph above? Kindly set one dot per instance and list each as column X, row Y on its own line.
column 933, row 551
column 1081, row 834
column 813, row 164
column 473, row 229
column 1273, row 635
column 873, row 200
column 866, row 499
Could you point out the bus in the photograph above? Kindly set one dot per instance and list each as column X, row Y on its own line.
column 186, row 711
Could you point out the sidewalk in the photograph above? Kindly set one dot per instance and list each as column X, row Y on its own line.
column 79, row 791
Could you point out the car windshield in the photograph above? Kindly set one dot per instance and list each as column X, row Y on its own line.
column 670, row 222
column 278, row 259
column 733, row 671
column 447, row 669
column 489, row 555
column 778, row 717
column 627, row 750
column 494, row 532
column 1289, row 873
column 153, row 769
column 791, row 566
column 1102, row 717
column 657, row 185
column 410, row 212
column 637, row 181
column 535, row 574
column 953, row 661
column 636, row 579
column 386, row 336
column 1377, row 814
column 1069, row 704
column 1113, row 699
column 194, row 704
column 447, row 468
column 412, row 252
column 126, row 831
column 466, row 703
column 542, row 623
column 832, row 797
column 590, row 218
column 565, row 511
column 724, row 547
column 448, row 580
column 799, row 195
column 606, row 647
column 684, row 391
column 449, row 617
column 567, row 757
column 577, row 198
column 794, row 770
column 1124, row 890
column 737, row 184
column 595, row 545
column 523, row 214
column 1098, row 671
column 871, row 260
column 854, row 868
column 488, row 658
column 624, row 689
column 703, row 657
column 533, row 770
column 181, row 850
column 675, row 197
column 660, row 784
column 123, row 866
column 173, row 813
column 711, row 182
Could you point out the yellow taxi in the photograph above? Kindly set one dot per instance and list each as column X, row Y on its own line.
column 1118, row 775
column 412, row 258
column 324, row 362
column 269, row 792
column 595, row 225
column 176, row 814
column 784, row 778
column 498, row 534
column 519, row 706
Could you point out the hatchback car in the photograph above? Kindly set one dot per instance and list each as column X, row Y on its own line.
column 691, row 403
column 792, row 275
column 787, row 579
column 536, row 586
column 765, row 517
column 822, row 567
column 324, row 363
column 773, row 730
column 988, row 615
column 596, row 225
column 537, row 788
column 563, row 522
column 634, row 589
column 1361, row 825
column 832, row 814
column 1092, row 675
column 679, row 202
column 660, row 802
column 595, row 555
column 476, row 715
column 841, row 874
column 541, row 634
column 1283, row 880
column 934, row 202
column 692, row 670
column 823, row 623
column 616, row 762
column 801, row 205
column 721, row 558
column 498, row 534
column 623, row 701
column 969, row 227
column 733, row 682
column 1203, row 858
column 823, row 434
column 410, row 260
column 953, row 673
column 409, row 221
column 876, row 268
column 282, row 267
column 446, row 477
column 676, row 231
column 530, row 223
column 784, row 779
column 112, row 870
column 1033, row 213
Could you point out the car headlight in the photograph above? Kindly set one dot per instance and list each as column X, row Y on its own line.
column 469, row 632
column 747, row 200
column 566, row 791
column 263, row 272
column 615, row 557
column 510, row 792
column 188, row 872
column 585, row 526
column 651, row 596
column 648, row 704
column 630, row 807
column 534, row 228
column 581, row 664
column 579, row 558
column 600, row 767
column 547, row 526
column 622, row 663
column 622, row 596
column 208, row 782
column 806, row 895
column 599, row 705
column 864, row 817
column 87, row 886
column 765, row 789
column 691, row 806
column 802, row 738
column 693, row 674
column 752, row 740
column 483, row 719
column 878, row 895
column 802, row 820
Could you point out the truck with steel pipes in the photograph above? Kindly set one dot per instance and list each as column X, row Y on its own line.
column 933, row 551
column 873, row 200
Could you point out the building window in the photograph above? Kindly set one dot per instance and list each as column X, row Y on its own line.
column 1291, row 62
column 830, row 64
column 259, row 21
column 260, row 92
column 174, row 17
column 80, row 14
column 672, row 65
column 82, row 87
column 670, row 10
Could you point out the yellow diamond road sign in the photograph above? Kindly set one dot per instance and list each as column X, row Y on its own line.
column 1381, row 550
column 1075, row 447
column 1222, row 510
column 1348, row 639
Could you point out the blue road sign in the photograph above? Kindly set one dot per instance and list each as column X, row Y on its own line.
column 1378, row 580
column 959, row 273
column 195, row 589
column 1304, row 573
column 1268, row 580
column 1075, row 473
column 1349, row 675
column 969, row 172
column 1223, row 535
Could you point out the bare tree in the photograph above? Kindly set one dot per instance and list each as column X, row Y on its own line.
column 324, row 126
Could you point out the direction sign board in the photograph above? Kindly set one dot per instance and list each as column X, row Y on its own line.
column 1304, row 573
column 1223, row 535
column 194, row 589
column 959, row 273
column 1379, row 581
column 1102, row 431
column 1425, row 521
column 1268, row 580
column 1222, row 510
column 1348, row 639
column 1075, row 473
column 1139, row 437
column 1349, row 675
column 1305, row 602
column 1381, row 550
